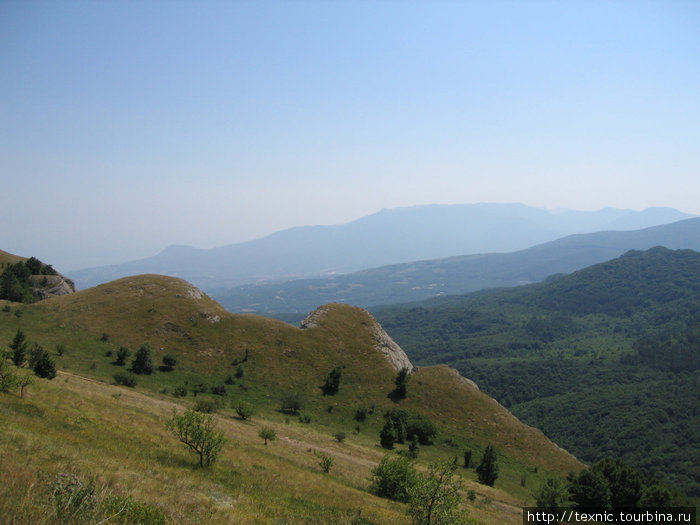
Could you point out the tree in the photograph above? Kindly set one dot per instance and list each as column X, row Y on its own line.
column 292, row 401
column 41, row 362
column 19, row 348
column 467, row 458
column 487, row 470
column 267, row 434
column 590, row 490
column 325, row 461
column 23, row 382
column 122, row 355
column 196, row 431
column 330, row 387
column 143, row 360
column 434, row 499
column 401, row 383
column 393, row 478
column 387, row 435
column 169, row 361
column 552, row 494
column 8, row 379
column 244, row 410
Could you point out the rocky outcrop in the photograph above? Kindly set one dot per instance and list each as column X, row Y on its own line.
column 382, row 341
column 46, row 286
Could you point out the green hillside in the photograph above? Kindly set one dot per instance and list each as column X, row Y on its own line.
column 81, row 423
column 605, row 360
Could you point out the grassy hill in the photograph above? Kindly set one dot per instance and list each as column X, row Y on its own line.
column 605, row 361
column 81, row 423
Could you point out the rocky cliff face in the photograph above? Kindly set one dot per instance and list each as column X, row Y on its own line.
column 383, row 342
column 46, row 286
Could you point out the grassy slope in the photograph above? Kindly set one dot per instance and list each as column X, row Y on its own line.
column 91, row 427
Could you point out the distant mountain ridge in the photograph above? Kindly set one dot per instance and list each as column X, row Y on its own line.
column 387, row 237
column 456, row 275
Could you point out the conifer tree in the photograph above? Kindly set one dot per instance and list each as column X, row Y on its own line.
column 488, row 468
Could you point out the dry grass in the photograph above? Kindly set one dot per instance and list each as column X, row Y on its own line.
column 117, row 438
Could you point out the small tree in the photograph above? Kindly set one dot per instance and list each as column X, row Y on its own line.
column 19, row 348
column 8, row 379
column 467, row 458
column 41, row 363
column 387, row 435
column 292, row 402
column 330, row 387
column 267, row 434
column 487, row 470
column 413, row 448
column 244, row 410
column 143, row 360
column 325, row 461
column 122, row 355
column 196, row 431
column 434, row 499
column 401, row 383
column 169, row 362
column 340, row 436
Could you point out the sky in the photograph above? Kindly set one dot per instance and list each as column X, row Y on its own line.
column 127, row 126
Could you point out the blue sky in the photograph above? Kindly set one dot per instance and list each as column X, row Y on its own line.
column 128, row 126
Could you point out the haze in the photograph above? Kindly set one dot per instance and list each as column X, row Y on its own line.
column 130, row 126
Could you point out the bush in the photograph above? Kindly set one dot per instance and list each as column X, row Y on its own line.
column 244, row 410
column 292, row 402
column 8, row 379
column 435, row 497
column 393, row 479
column 122, row 355
column 207, row 406
column 169, row 362
column 325, row 461
column 360, row 415
column 180, row 391
column 339, row 436
column 125, row 378
column 487, row 470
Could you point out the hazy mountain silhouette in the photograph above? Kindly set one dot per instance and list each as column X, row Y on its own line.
column 386, row 237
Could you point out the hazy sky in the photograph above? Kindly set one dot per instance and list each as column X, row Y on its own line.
column 127, row 126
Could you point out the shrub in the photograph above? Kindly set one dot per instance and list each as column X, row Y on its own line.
column 72, row 499
column 169, row 362
column 180, row 391
column 401, row 383
column 306, row 419
column 393, row 479
column 197, row 432
column 292, row 402
column 360, row 415
column 218, row 390
column 207, row 406
column 325, row 461
column 8, row 379
column 339, row 436
column 122, row 355
column 244, row 410
column 125, row 378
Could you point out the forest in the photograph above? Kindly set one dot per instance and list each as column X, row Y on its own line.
column 605, row 360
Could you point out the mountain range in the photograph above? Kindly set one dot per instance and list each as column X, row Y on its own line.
column 456, row 275
column 387, row 237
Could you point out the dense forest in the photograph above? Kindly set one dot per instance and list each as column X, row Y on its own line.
column 605, row 361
